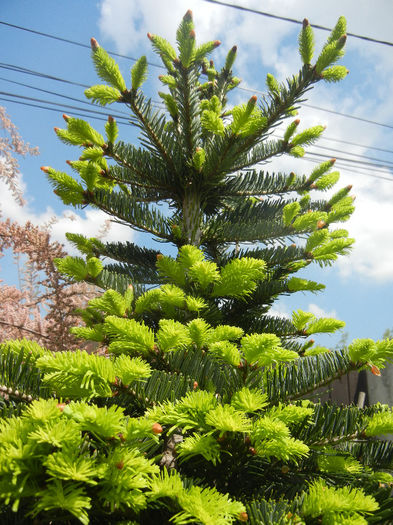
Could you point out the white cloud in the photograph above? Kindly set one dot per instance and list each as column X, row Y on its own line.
column 280, row 310
column 320, row 312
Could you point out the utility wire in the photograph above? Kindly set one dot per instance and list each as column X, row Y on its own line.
column 54, row 109
column 326, row 110
column 68, row 41
column 334, row 150
column 62, row 106
column 5, row 93
column 58, row 94
column 389, row 179
column 20, row 69
column 331, row 139
column 92, row 111
column 295, row 21
column 372, row 164
column 314, row 161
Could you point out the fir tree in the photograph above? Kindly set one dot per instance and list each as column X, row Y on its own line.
column 201, row 411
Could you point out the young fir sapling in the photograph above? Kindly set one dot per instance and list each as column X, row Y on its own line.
column 201, row 411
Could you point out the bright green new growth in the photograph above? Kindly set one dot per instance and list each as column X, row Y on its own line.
column 195, row 408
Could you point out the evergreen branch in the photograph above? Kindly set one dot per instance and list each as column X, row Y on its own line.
column 131, row 212
column 134, row 184
column 187, row 98
column 253, row 183
column 139, row 163
column 295, row 380
column 260, row 153
column 130, row 253
column 142, row 112
column 18, row 376
column 110, row 279
column 134, row 273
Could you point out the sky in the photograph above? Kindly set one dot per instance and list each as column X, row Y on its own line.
column 359, row 287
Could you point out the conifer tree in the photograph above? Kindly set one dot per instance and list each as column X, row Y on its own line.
column 202, row 410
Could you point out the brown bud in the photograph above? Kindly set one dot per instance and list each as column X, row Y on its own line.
column 130, row 287
column 306, row 23
column 159, row 256
column 192, row 34
column 121, row 437
column 247, row 440
column 252, row 451
column 341, row 41
column 195, row 385
column 94, row 44
column 61, row 406
column 110, row 119
column 311, row 342
column 45, row 169
column 243, row 516
column 253, row 99
column 285, row 469
column 69, row 162
column 321, row 224
column 188, row 16
column 157, row 428
column 375, row 370
column 150, row 36
column 293, row 245
column 234, row 49
column 217, row 43
column 120, row 465
column 349, row 187
column 66, row 117
column 115, row 393
column 56, row 130
column 313, row 186
column 211, row 63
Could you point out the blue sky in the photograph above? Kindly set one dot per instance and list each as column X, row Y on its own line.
column 359, row 288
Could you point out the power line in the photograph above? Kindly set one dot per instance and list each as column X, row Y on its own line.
column 57, row 94
column 331, row 139
column 88, row 113
column 295, row 21
column 68, row 41
column 389, row 179
column 26, row 71
column 353, row 154
column 314, row 161
column 68, row 106
column 53, row 109
column 92, row 111
column 23, row 70
column 347, row 115
column 20, row 69
column 345, row 152
column 371, row 164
